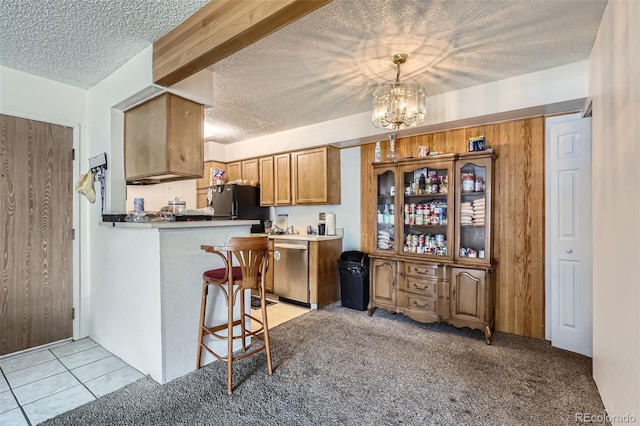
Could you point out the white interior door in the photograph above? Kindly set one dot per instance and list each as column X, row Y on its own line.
column 569, row 242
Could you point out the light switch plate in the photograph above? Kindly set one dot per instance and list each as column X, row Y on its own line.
column 321, row 216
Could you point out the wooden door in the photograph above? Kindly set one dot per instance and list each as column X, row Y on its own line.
column 570, row 245
column 310, row 176
column 383, row 284
column 282, row 174
column 234, row 171
column 267, row 181
column 36, row 284
column 250, row 171
column 468, row 295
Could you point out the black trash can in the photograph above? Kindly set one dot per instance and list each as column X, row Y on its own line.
column 354, row 279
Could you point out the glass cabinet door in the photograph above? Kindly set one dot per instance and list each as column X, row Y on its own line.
column 426, row 209
column 473, row 210
column 385, row 209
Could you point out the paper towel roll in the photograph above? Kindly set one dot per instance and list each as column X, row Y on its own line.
column 330, row 219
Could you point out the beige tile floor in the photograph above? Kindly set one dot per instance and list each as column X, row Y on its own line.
column 40, row 384
column 279, row 313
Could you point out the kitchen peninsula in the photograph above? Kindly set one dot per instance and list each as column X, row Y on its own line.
column 148, row 315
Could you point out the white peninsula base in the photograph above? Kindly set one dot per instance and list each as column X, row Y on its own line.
column 145, row 306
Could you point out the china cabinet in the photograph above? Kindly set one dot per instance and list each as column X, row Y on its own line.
column 432, row 259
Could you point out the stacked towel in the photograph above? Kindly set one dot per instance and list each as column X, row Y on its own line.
column 478, row 212
column 466, row 214
column 385, row 240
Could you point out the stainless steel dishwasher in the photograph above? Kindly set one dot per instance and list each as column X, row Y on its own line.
column 291, row 270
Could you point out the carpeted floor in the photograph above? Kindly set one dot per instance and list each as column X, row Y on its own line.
column 340, row 366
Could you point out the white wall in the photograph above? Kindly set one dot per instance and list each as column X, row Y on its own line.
column 106, row 134
column 614, row 84
column 32, row 97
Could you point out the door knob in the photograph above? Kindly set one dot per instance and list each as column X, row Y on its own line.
column 568, row 250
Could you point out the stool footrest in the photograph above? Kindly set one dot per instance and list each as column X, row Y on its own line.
column 247, row 333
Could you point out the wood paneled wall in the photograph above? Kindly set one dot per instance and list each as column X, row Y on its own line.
column 518, row 212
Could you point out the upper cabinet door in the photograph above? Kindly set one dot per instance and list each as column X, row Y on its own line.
column 234, row 171
column 474, row 174
column 426, row 189
column 266, row 181
column 250, row 171
column 385, row 190
column 282, row 174
column 316, row 176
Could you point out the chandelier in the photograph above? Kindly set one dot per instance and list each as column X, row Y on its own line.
column 397, row 105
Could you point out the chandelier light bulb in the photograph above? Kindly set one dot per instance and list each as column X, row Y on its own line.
column 397, row 104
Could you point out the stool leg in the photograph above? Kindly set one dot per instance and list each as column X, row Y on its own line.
column 203, row 304
column 230, row 303
column 243, row 324
column 265, row 325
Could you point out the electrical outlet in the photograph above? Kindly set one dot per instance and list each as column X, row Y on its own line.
column 321, row 216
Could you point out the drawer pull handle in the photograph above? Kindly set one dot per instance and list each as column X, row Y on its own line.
column 420, row 288
column 425, row 272
column 426, row 305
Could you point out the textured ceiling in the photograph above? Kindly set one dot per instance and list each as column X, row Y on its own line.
column 323, row 66
column 80, row 42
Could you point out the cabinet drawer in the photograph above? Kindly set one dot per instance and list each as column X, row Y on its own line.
column 422, row 286
column 421, row 303
column 421, row 270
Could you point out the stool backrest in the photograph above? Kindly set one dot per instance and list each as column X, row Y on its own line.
column 251, row 253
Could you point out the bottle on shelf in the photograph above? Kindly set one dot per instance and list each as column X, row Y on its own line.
column 378, row 152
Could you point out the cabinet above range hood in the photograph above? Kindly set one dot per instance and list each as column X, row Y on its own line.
column 163, row 140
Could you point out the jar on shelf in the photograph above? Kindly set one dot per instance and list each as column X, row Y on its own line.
column 468, row 182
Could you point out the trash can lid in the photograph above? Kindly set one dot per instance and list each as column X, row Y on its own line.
column 354, row 256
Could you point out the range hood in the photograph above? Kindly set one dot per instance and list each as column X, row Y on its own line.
column 163, row 140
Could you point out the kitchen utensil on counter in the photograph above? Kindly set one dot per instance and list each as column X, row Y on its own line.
column 330, row 220
column 283, row 221
column 177, row 206
column 321, row 228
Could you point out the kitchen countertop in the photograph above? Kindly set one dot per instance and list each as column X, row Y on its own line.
column 302, row 237
column 179, row 225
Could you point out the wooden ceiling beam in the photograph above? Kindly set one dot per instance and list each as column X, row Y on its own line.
column 219, row 29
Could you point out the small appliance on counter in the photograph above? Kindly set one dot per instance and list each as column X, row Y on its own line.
column 330, row 219
column 233, row 201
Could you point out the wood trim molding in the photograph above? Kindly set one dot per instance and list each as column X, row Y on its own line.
column 219, row 29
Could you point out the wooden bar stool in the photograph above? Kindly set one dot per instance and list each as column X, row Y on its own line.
column 251, row 253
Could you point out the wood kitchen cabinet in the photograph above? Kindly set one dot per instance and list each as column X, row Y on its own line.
column 472, row 299
column 429, row 263
column 245, row 170
column 282, row 175
column 163, row 140
column 316, row 176
column 275, row 180
column 251, row 170
column 324, row 275
column 203, row 183
column 383, row 282
column 208, row 167
column 267, row 182
column 201, row 198
column 234, row 171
